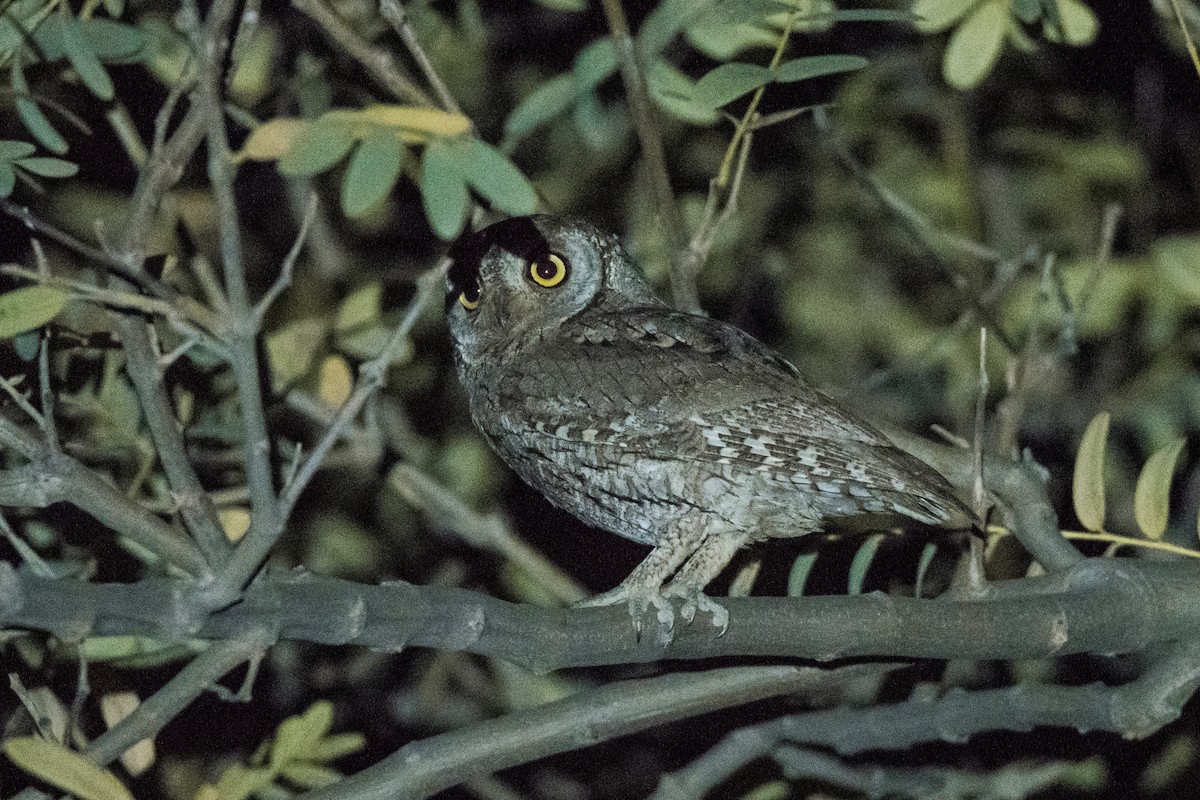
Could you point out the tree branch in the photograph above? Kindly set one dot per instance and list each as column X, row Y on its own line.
column 617, row 709
column 1098, row 606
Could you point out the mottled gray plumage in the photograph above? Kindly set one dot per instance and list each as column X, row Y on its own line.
column 674, row 430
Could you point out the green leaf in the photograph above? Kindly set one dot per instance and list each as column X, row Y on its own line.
column 239, row 782
column 28, row 308
column 324, row 144
column 672, row 91
column 83, row 58
column 8, row 179
column 65, row 769
column 297, row 736
column 667, row 19
column 1087, row 487
column 444, row 188
column 115, row 8
column 309, row 776
column 927, row 553
column 798, row 576
column 974, row 48
column 564, row 5
column 861, row 563
column 549, row 100
column 372, row 173
column 1028, row 11
column 48, row 167
column 1152, row 498
column 728, row 82
column 338, row 745
column 799, row 69
column 12, row 149
column 938, row 15
column 33, row 118
column 27, row 344
column 495, row 177
column 595, row 64
column 113, row 41
column 874, row 15
column 723, row 39
column 1079, row 23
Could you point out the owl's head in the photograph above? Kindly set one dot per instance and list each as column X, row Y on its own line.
column 515, row 279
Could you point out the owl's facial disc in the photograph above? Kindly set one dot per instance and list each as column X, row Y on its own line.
column 519, row 277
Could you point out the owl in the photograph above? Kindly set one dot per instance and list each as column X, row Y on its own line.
column 674, row 430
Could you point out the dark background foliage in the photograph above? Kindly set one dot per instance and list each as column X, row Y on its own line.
column 862, row 241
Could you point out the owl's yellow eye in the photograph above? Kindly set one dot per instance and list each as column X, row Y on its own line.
column 469, row 298
column 550, row 272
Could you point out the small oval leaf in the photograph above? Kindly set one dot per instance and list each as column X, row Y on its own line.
column 938, row 15
column 80, row 53
column 444, row 188
column 1152, row 498
column 372, row 173
column 728, row 82
column 272, row 139
column 975, row 46
column 65, row 769
column 8, row 179
column 48, row 167
column 1087, row 487
column 798, row 575
column 799, row 69
column 861, row 563
column 323, row 144
column 12, row 149
column 428, row 121
column 499, row 180
column 1079, row 23
column 31, row 116
column 595, row 64
column 28, row 308
column 549, row 100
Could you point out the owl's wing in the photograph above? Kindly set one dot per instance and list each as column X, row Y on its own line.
column 704, row 391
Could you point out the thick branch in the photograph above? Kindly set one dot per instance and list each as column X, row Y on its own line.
column 1098, row 606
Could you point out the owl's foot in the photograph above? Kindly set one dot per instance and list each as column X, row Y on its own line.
column 639, row 598
column 694, row 599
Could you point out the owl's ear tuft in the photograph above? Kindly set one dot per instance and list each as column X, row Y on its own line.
column 518, row 235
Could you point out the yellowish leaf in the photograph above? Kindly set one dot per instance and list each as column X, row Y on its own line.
column 975, row 45
column 429, row 121
column 235, row 521
column 934, row 16
column 116, row 706
column 336, row 381
column 65, row 769
column 1088, row 483
column 272, row 139
column 1152, row 498
column 1079, row 23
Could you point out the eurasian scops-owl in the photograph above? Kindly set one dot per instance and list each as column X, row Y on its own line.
column 672, row 429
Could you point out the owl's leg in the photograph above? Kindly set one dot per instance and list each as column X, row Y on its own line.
column 704, row 564
column 643, row 587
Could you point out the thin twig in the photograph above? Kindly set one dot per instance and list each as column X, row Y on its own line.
column 1108, row 234
column 918, row 226
column 370, row 379
column 380, row 64
column 140, row 279
column 397, row 17
column 645, row 123
column 266, row 520
column 289, row 262
column 178, row 693
column 49, row 424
